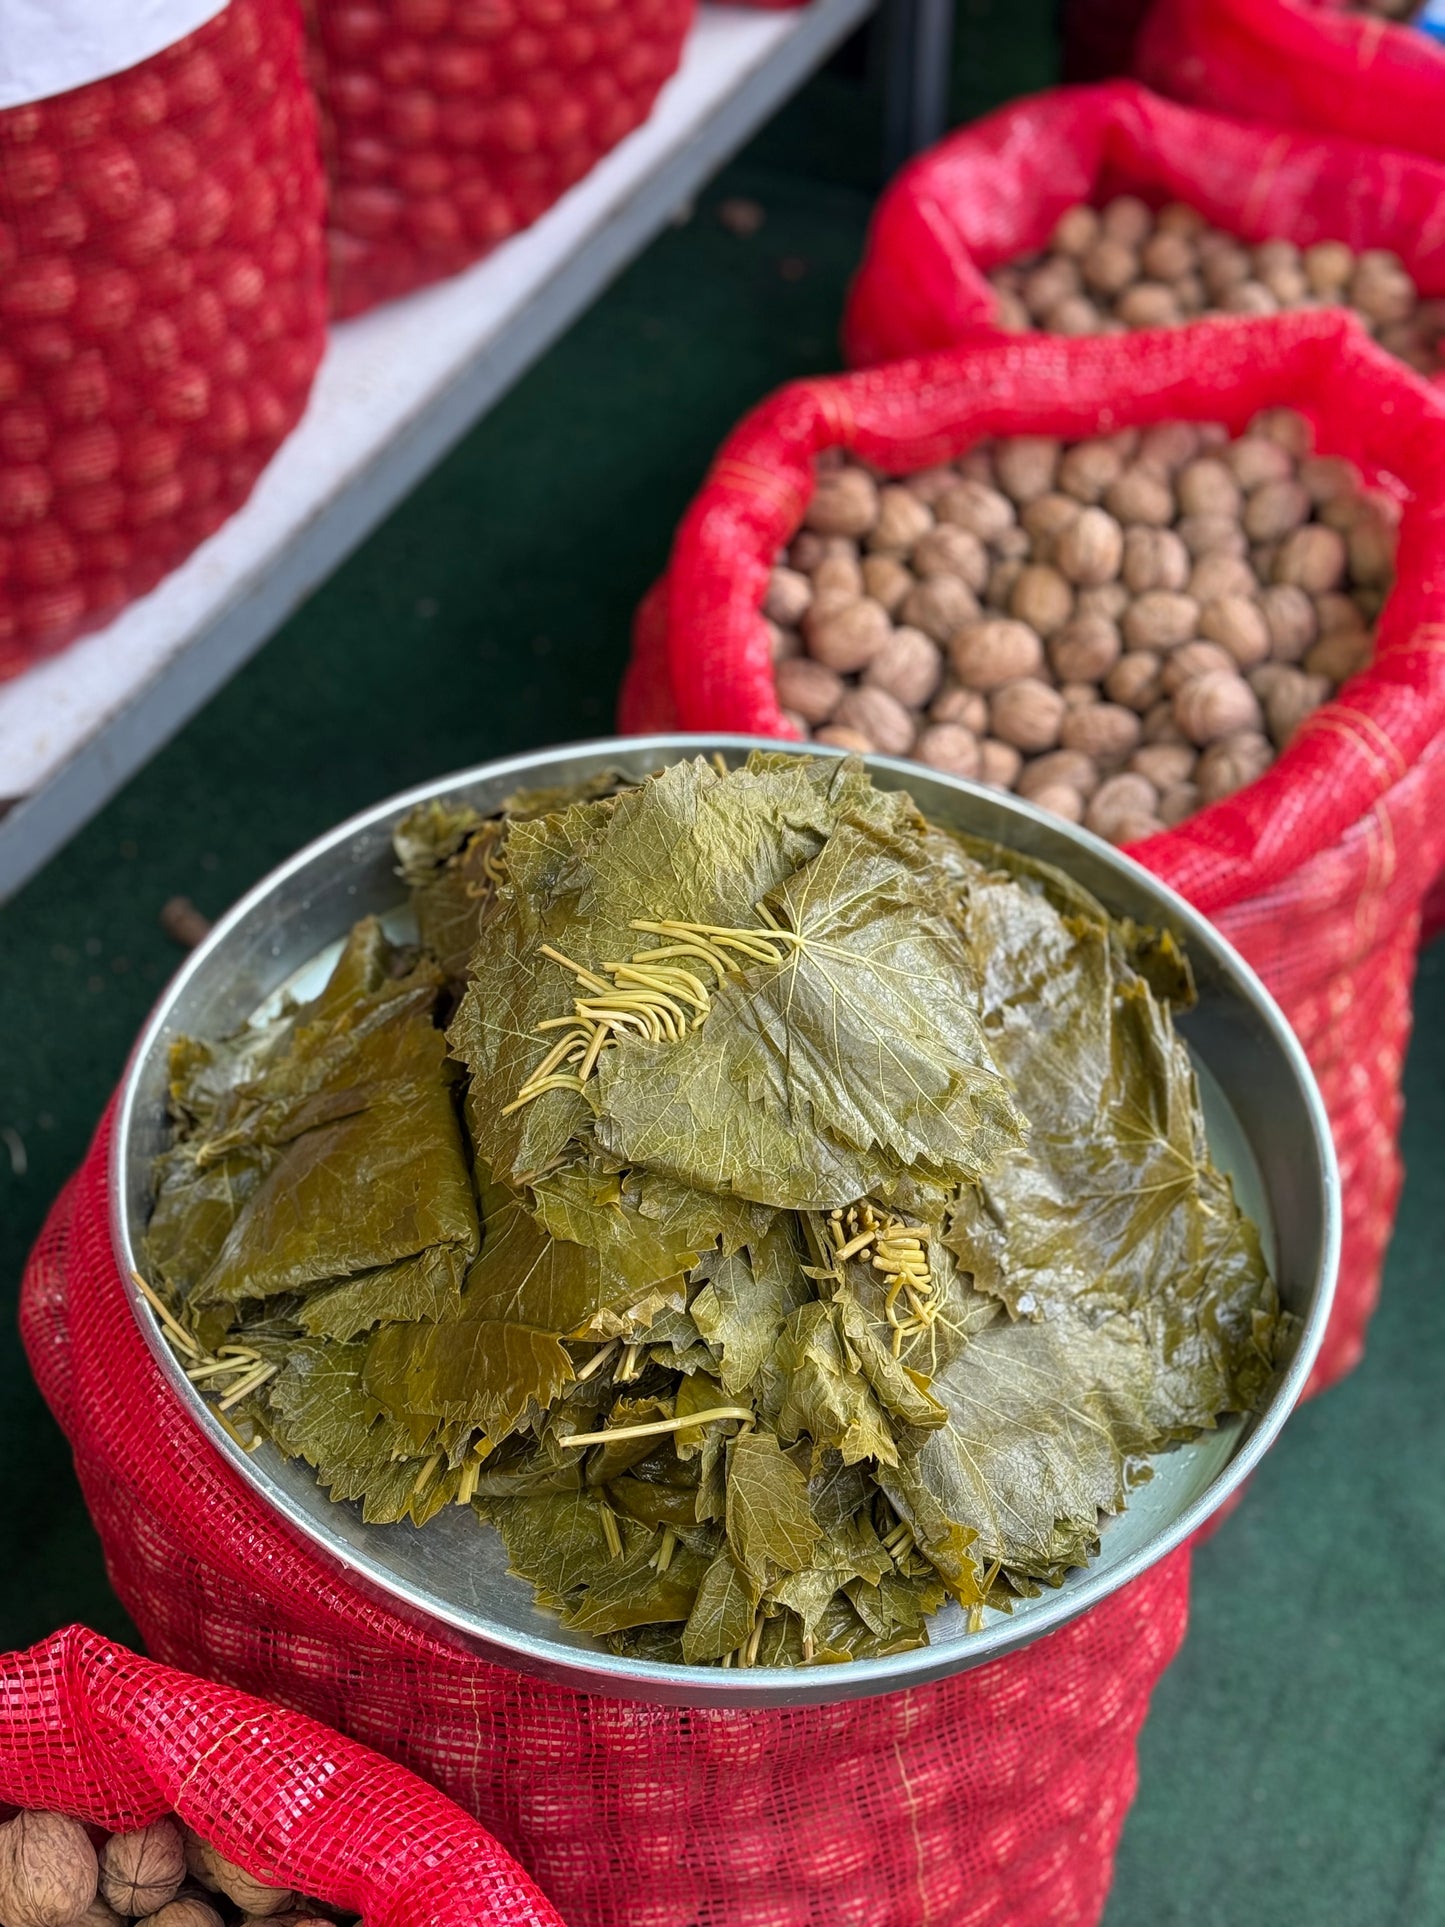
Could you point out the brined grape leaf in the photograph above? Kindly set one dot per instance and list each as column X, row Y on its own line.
column 769, row 1522
column 318, row 1409
column 420, row 1289
column 723, row 1613
column 812, row 1082
column 653, row 1504
column 902, row 1392
column 632, row 1592
column 748, row 1298
column 478, row 1372
column 555, row 1539
column 592, row 1208
column 815, row 1394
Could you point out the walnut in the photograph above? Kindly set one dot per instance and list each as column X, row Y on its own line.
column 1148, row 304
column 1325, row 478
column 1166, row 256
column 1191, row 294
column 1254, row 460
column 1042, row 598
column 212, row 1869
column 1219, row 703
column 189, row 1911
column 1140, row 495
column 1109, row 266
column 1286, row 284
column 1218, row 574
column 1126, row 218
column 1026, row 715
column 1177, row 803
column 1025, row 466
column 1044, row 520
column 839, row 576
column 789, row 594
column 1134, row 681
column 1328, row 267
column 1238, row 626
column 808, row 688
column 839, row 736
column 1193, row 659
column 1053, row 281
column 1274, row 509
column 975, row 506
column 807, row 550
column 886, row 580
column 1078, row 695
column 1371, row 543
column 1313, row 559
column 1105, row 732
column 1090, row 550
column 928, row 484
column 1059, row 800
column 1159, row 724
column 909, row 666
column 1294, row 695
column 1069, row 767
column 1167, row 446
column 1120, row 805
column 986, row 655
column 799, row 725
column 949, row 747
column 1334, row 610
column 1287, row 427
column 1248, row 297
column 902, row 520
column 1223, row 264
column 140, row 1872
column 1165, row 764
column 976, row 465
column 1154, row 559
column 1212, row 535
column 939, row 607
column 1176, row 217
column 999, row 764
column 1206, row 487
column 1338, row 656
column 1381, row 289
column 848, row 637
column 845, row 502
column 955, row 704
column 1108, row 602
column 1084, row 650
column 48, row 1870
column 782, row 643
column 1076, row 231
column 951, row 550
column 1088, row 469
column 1290, row 616
column 1001, row 579
column 1232, row 763
column 1074, row 315
column 878, row 716
column 1159, row 619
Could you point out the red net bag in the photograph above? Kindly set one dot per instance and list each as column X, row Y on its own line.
column 1299, row 63
column 90, row 1730
column 449, row 124
column 994, row 191
column 162, row 313
column 1317, row 871
column 993, row 1799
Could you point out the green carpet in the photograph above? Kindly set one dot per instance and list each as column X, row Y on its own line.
column 1294, row 1767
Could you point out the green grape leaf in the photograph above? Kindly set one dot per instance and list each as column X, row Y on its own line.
column 477, row 1372
column 425, row 1288
column 747, row 1299
column 818, row 1396
column 769, row 1523
column 724, row 1611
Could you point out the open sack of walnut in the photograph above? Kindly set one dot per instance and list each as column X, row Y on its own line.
column 768, row 1248
column 1108, row 570
column 141, row 1794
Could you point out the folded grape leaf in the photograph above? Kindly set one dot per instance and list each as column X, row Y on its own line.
column 424, row 1288
column 318, row 1409
column 814, row 1081
column 478, row 1372
column 633, row 1592
column 555, row 1539
column 724, row 1611
column 813, row 1393
column 747, row 1299
column 769, row 1523
column 902, row 1392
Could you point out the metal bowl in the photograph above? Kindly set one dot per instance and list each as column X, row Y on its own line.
column 1265, row 1122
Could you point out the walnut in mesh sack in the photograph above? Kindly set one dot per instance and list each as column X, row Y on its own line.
column 1107, row 270
column 51, row 1875
column 1122, row 629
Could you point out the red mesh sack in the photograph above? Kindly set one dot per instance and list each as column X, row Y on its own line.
column 995, row 190
column 162, row 313
column 1317, row 871
column 449, row 124
column 993, row 1799
column 88, row 1729
column 1300, row 63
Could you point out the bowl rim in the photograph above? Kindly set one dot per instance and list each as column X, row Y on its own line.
column 596, row 1670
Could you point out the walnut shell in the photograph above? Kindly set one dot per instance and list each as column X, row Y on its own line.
column 141, row 1871
column 1167, row 446
column 1154, row 559
column 1108, row 602
column 1254, row 460
column 1275, row 509
column 48, row 1870
column 1287, row 427
column 1069, row 768
column 949, row 747
column 1088, row 469
column 1090, row 550
column 1206, row 487
column 909, row 667
column 1059, row 800
column 1325, row 478
column 1001, row 579
column 1141, row 495
column 1159, row 724
column 1177, row 803
column 1165, row 764
column 189, row 1911
column 999, row 764
column 1126, row 218
column 1192, row 659
column 1074, row 315
column 1336, row 611
column 1248, row 297
column 939, row 606
column 810, row 689
column 1165, row 256
column 1025, row 466
column 1044, row 520
column 1218, row 574
column 1027, row 715
column 1134, row 680
column 878, row 716
column 902, row 520
column 782, row 643
column 1118, row 804
column 1339, row 656
column 985, row 655
column 1042, row 598
column 847, row 637
column 1313, row 559
column 1078, row 695
column 1371, row 543
column 1290, row 616
column 838, row 576
column 1177, row 217
column 209, row 1866
column 928, row 484
column 1109, row 266
column 1328, row 266
column 1159, row 619
column 1053, row 281
column 788, row 595
column 1084, row 650
column 1293, row 696
column 1237, row 624
column 839, row 736
column 886, row 580
column 1148, row 304
column 951, row 550
column 1232, row 763
column 1076, row 231
column 845, row 502
column 955, row 704
column 1212, row 535
column 976, row 506
column 1104, row 732
column 1220, row 703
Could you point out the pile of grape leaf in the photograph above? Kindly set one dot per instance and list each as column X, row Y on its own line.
column 777, row 1215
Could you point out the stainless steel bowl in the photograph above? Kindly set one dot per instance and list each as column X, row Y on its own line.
column 1265, row 1121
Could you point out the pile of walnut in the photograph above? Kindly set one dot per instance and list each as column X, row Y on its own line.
column 1123, row 266
column 1121, row 630
column 53, row 1875
column 1391, row 9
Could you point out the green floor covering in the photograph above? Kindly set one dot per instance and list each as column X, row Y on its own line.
column 1293, row 1771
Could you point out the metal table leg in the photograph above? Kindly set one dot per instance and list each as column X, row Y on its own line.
column 918, row 59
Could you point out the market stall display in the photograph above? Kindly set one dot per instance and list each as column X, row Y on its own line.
column 162, row 313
